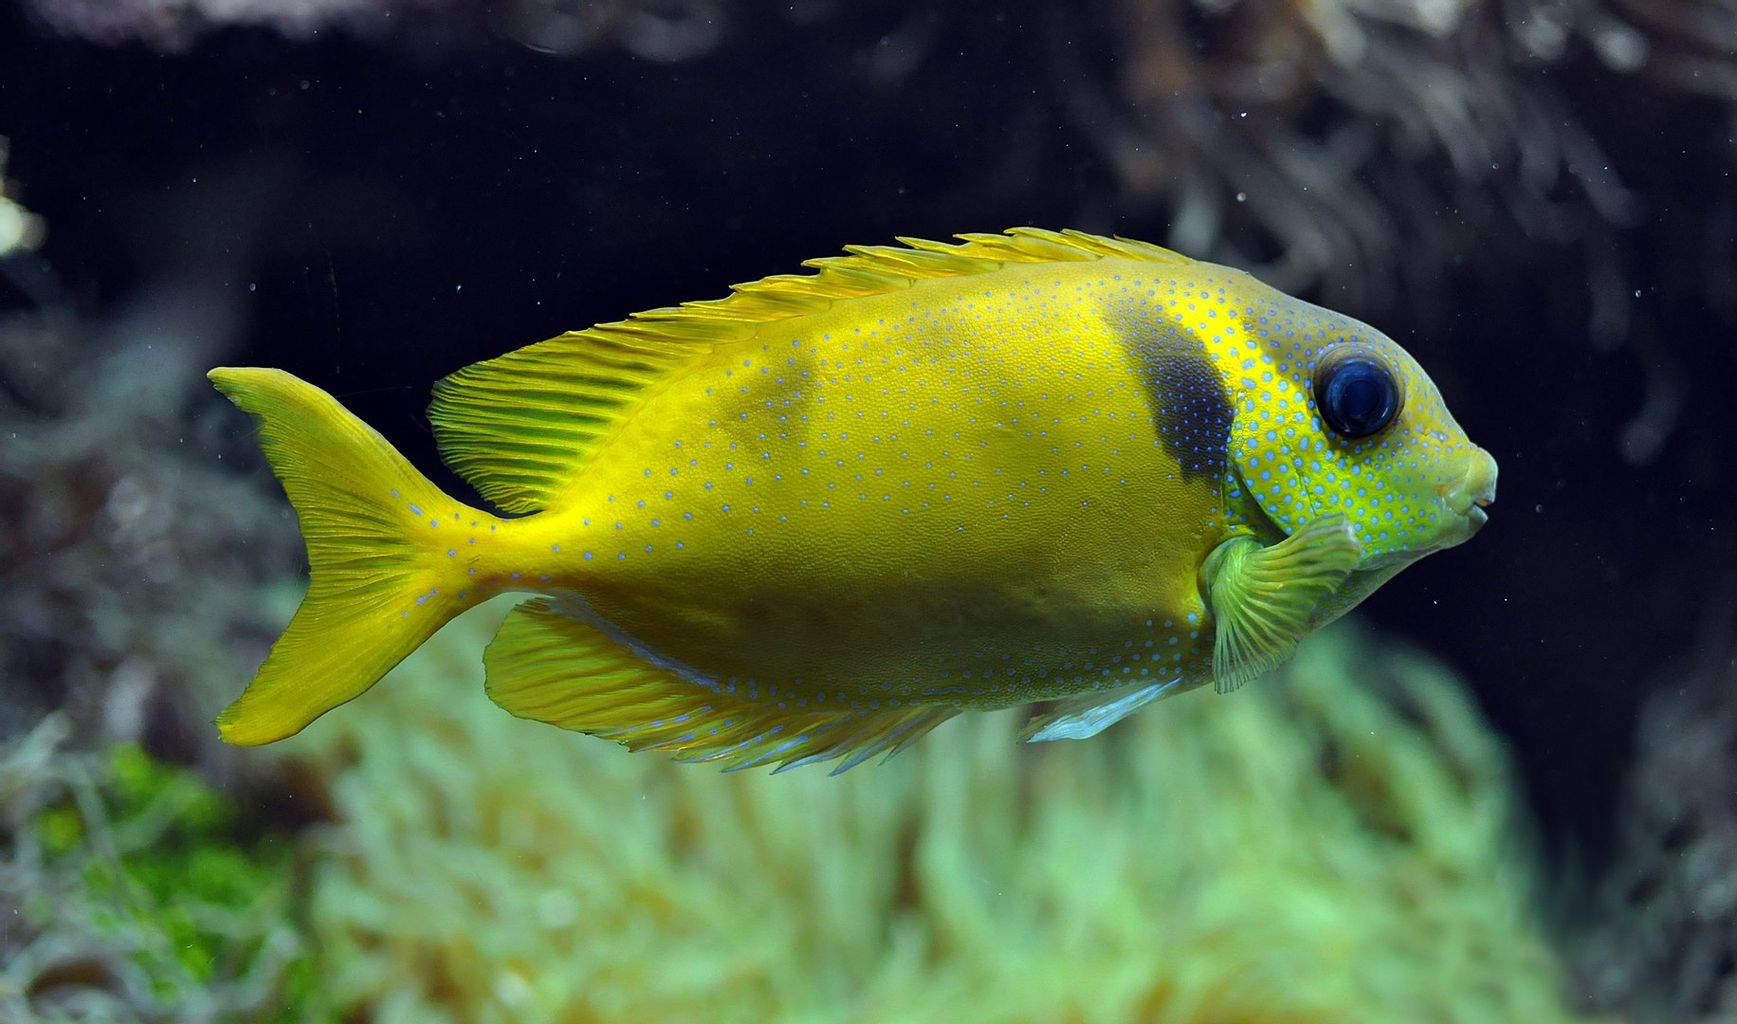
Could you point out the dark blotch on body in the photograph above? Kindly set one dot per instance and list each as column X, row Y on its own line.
column 1188, row 399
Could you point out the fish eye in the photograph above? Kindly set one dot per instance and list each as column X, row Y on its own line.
column 1356, row 394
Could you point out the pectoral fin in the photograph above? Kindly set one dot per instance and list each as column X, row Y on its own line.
column 1264, row 597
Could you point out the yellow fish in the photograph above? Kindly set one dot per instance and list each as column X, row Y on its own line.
column 816, row 518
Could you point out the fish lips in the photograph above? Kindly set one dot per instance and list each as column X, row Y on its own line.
column 1473, row 492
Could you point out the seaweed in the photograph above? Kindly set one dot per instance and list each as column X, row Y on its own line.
column 133, row 891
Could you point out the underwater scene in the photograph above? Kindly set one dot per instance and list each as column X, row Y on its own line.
column 864, row 511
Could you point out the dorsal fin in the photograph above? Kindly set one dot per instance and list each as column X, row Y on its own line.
column 520, row 427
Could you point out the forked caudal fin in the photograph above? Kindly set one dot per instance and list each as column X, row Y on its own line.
column 383, row 571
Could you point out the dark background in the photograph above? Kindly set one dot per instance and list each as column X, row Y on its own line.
column 372, row 206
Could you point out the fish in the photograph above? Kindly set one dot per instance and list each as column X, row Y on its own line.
column 813, row 520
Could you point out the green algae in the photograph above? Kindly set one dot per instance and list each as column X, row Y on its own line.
column 141, row 893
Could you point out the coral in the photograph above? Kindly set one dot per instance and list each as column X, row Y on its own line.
column 130, row 892
column 1337, row 844
column 1661, row 940
column 1363, row 145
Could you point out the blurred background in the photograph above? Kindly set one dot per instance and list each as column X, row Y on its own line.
column 1535, row 197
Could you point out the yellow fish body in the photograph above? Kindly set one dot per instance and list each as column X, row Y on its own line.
column 816, row 518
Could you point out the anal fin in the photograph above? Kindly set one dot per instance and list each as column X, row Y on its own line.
column 548, row 664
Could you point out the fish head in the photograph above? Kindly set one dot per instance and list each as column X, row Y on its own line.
column 1332, row 416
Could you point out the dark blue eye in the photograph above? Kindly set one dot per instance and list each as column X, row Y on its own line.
column 1356, row 394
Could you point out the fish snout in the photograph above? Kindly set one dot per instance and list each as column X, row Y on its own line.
column 1475, row 489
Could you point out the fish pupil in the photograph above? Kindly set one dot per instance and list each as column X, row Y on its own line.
column 1357, row 396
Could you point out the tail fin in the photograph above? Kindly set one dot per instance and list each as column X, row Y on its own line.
column 380, row 571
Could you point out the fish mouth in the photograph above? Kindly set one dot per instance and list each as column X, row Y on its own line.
column 1474, row 491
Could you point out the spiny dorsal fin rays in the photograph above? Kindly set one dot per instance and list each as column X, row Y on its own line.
column 522, row 426
column 1034, row 245
column 919, row 264
column 845, row 278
